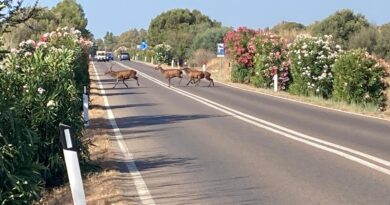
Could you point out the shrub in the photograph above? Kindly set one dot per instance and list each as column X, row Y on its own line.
column 209, row 39
column 163, row 53
column 20, row 182
column 202, row 56
column 236, row 42
column 312, row 59
column 359, row 78
column 239, row 74
column 42, row 84
column 46, row 94
column 271, row 57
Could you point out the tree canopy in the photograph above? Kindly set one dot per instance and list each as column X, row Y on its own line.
column 65, row 13
column 109, row 41
column 208, row 39
column 341, row 25
column 382, row 47
column 131, row 38
column 70, row 13
column 178, row 27
column 286, row 26
column 13, row 13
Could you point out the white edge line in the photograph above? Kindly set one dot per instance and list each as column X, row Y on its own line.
column 283, row 131
column 142, row 190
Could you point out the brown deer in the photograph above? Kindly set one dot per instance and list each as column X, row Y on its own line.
column 195, row 76
column 123, row 75
column 170, row 73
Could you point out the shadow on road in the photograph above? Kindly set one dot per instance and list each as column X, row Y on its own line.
column 159, row 170
column 101, row 107
column 147, row 120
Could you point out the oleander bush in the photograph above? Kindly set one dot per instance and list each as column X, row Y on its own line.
column 271, row 57
column 163, row 53
column 41, row 86
column 237, row 47
column 312, row 59
column 359, row 78
column 21, row 181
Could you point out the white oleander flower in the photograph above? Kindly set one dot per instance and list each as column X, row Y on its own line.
column 51, row 103
column 41, row 90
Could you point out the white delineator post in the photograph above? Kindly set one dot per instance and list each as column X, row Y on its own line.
column 85, row 107
column 276, row 82
column 145, row 59
column 152, row 60
column 72, row 165
column 173, row 62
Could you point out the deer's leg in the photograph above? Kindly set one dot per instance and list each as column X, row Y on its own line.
column 117, row 81
column 211, row 82
column 197, row 82
column 136, row 78
column 169, row 82
column 189, row 81
column 181, row 78
column 193, row 80
column 125, row 83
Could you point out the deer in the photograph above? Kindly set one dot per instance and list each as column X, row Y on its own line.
column 197, row 75
column 123, row 75
column 170, row 73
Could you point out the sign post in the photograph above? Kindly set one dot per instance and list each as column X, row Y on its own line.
column 220, row 54
column 72, row 165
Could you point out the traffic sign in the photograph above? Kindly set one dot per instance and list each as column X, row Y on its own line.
column 220, row 50
column 144, row 45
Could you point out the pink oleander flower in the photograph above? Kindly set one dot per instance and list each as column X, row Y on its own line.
column 30, row 43
column 27, row 54
column 41, row 44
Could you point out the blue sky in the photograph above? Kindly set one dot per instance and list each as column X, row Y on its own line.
column 118, row 16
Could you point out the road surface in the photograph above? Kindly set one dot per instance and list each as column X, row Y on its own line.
column 222, row 145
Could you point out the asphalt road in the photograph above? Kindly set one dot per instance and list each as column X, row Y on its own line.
column 222, row 145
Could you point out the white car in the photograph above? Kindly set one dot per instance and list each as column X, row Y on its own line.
column 101, row 56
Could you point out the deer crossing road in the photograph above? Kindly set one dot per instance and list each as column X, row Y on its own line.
column 221, row 145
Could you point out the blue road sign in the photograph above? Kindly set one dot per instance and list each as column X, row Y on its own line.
column 220, row 50
column 144, row 45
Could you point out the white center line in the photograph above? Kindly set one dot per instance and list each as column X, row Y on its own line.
column 142, row 190
column 288, row 133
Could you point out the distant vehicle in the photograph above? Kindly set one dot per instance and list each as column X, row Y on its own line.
column 110, row 56
column 101, row 56
column 124, row 56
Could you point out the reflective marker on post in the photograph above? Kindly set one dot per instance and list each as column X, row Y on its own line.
column 85, row 108
column 72, row 165
column 276, row 82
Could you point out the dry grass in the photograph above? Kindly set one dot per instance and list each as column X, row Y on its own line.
column 104, row 187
